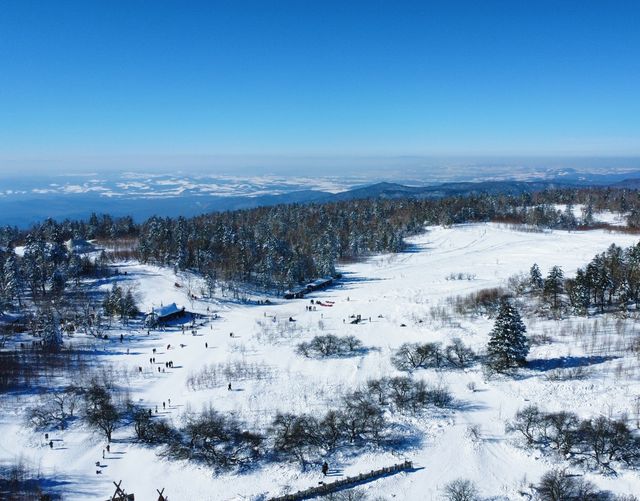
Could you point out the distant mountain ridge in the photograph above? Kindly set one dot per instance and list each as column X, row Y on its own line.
column 25, row 210
column 391, row 190
column 631, row 184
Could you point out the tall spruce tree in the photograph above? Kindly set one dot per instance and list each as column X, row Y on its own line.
column 554, row 286
column 51, row 332
column 579, row 293
column 9, row 282
column 508, row 345
column 535, row 278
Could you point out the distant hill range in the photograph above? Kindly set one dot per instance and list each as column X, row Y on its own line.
column 391, row 190
column 629, row 184
column 24, row 210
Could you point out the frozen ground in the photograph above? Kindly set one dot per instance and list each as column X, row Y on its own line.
column 391, row 290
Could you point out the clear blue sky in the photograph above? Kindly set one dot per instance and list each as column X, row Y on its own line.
column 119, row 78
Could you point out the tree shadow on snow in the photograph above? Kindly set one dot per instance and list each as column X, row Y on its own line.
column 29, row 482
column 352, row 279
column 412, row 248
column 467, row 406
column 402, row 438
column 547, row 364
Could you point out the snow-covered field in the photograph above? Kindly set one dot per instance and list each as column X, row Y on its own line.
column 387, row 291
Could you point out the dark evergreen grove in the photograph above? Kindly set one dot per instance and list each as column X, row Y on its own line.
column 611, row 280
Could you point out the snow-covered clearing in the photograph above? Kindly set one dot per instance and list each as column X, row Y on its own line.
column 387, row 291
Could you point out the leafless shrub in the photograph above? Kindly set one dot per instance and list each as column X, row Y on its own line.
column 350, row 495
column 54, row 408
column 329, row 345
column 558, row 485
column 540, row 339
column 275, row 332
column 461, row 276
column 474, row 433
column 215, row 439
column 413, row 356
column 215, row 375
column 571, row 374
column 634, row 346
column 482, row 302
column 460, row 490
column 518, row 284
column 442, row 316
column 599, row 442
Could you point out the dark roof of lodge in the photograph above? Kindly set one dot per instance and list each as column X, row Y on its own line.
column 166, row 311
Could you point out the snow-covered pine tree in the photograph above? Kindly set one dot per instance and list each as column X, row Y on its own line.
column 10, row 286
column 128, row 308
column 35, row 265
column 113, row 301
column 568, row 218
column 554, row 286
column 51, row 332
column 535, row 278
column 587, row 215
column 579, row 293
column 508, row 345
column 632, row 279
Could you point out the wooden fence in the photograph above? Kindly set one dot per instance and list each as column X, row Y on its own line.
column 347, row 482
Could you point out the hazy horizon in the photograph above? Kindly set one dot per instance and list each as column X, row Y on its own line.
column 348, row 165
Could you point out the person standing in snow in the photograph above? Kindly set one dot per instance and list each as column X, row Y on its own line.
column 325, row 468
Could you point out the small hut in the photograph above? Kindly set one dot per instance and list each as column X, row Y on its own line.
column 165, row 314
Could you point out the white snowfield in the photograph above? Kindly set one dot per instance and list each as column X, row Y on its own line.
column 390, row 290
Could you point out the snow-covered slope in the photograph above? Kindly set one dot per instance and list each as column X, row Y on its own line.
column 387, row 291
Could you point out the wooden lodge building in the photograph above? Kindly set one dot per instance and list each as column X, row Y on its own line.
column 320, row 283
column 165, row 314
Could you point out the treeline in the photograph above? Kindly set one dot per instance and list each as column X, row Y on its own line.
column 44, row 271
column 33, row 368
column 610, row 280
column 284, row 245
